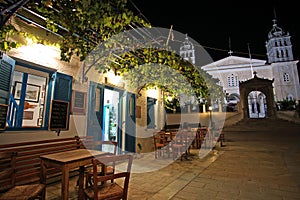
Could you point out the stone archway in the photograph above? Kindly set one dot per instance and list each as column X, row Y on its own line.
column 263, row 86
column 257, row 104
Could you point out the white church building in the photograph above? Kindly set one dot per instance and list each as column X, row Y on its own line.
column 280, row 66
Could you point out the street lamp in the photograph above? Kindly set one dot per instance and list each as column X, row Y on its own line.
column 210, row 115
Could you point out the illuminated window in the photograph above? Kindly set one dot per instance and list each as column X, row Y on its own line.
column 232, row 80
column 286, row 77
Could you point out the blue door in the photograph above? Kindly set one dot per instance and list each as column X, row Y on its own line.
column 130, row 123
column 95, row 111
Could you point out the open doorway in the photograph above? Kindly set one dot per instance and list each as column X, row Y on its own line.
column 110, row 115
column 257, row 104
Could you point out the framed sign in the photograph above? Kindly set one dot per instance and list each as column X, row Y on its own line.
column 59, row 113
column 78, row 102
column 3, row 114
column 32, row 92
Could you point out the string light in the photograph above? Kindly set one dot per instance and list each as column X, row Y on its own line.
column 204, row 46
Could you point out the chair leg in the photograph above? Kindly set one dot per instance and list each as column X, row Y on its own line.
column 173, row 153
column 77, row 182
column 89, row 181
column 43, row 194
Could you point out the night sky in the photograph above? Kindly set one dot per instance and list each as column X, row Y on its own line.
column 212, row 23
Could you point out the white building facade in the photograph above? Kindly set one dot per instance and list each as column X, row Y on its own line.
column 280, row 66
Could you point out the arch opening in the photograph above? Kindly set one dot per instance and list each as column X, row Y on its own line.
column 257, row 104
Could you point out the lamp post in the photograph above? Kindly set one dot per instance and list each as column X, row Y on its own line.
column 210, row 115
column 298, row 107
column 210, row 135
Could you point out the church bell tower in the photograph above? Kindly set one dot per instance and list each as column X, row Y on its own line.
column 284, row 67
column 187, row 50
column 279, row 47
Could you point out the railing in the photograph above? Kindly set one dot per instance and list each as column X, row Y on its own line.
column 13, row 110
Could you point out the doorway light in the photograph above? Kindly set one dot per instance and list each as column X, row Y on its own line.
column 152, row 92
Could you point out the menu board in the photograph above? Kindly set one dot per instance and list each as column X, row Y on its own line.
column 59, row 115
column 3, row 114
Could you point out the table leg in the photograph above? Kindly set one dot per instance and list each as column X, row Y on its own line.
column 80, row 183
column 43, row 172
column 65, row 183
column 43, row 177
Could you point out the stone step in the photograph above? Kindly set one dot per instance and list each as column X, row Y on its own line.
column 260, row 124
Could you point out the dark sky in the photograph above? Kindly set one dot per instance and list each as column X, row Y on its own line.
column 212, row 23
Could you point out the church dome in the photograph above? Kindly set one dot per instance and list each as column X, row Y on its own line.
column 276, row 31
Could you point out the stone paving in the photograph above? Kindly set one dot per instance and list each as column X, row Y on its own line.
column 260, row 160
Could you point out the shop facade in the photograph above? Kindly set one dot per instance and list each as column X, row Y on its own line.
column 98, row 107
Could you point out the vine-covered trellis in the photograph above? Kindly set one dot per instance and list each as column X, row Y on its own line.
column 81, row 26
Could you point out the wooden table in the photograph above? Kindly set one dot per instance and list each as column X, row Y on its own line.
column 65, row 161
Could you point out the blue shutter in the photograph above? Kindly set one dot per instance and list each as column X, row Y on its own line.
column 62, row 87
column 6, row 70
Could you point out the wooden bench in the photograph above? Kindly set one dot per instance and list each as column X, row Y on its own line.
column 28, row 156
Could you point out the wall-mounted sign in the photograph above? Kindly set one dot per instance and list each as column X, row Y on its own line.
column 78, row 102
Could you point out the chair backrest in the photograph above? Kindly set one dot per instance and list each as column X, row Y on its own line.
column 7, row 170
column 180, row 137
column 173, row 134
column 184, row 137
column 107, row 146
column 190, row 136
column 159, row 138
column 122, row 164
column 202, row 131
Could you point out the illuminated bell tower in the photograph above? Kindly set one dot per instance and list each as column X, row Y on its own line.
column 279, row 47
column 284, row 67
column 187, row 50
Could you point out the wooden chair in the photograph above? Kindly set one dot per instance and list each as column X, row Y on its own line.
column 8, row 189
column 200, row 136
column 180, row 144
column 160, row 142
column 104, row 189
column 190, row 138
column 107, row 146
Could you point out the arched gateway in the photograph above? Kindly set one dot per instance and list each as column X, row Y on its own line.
column 257, row 108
